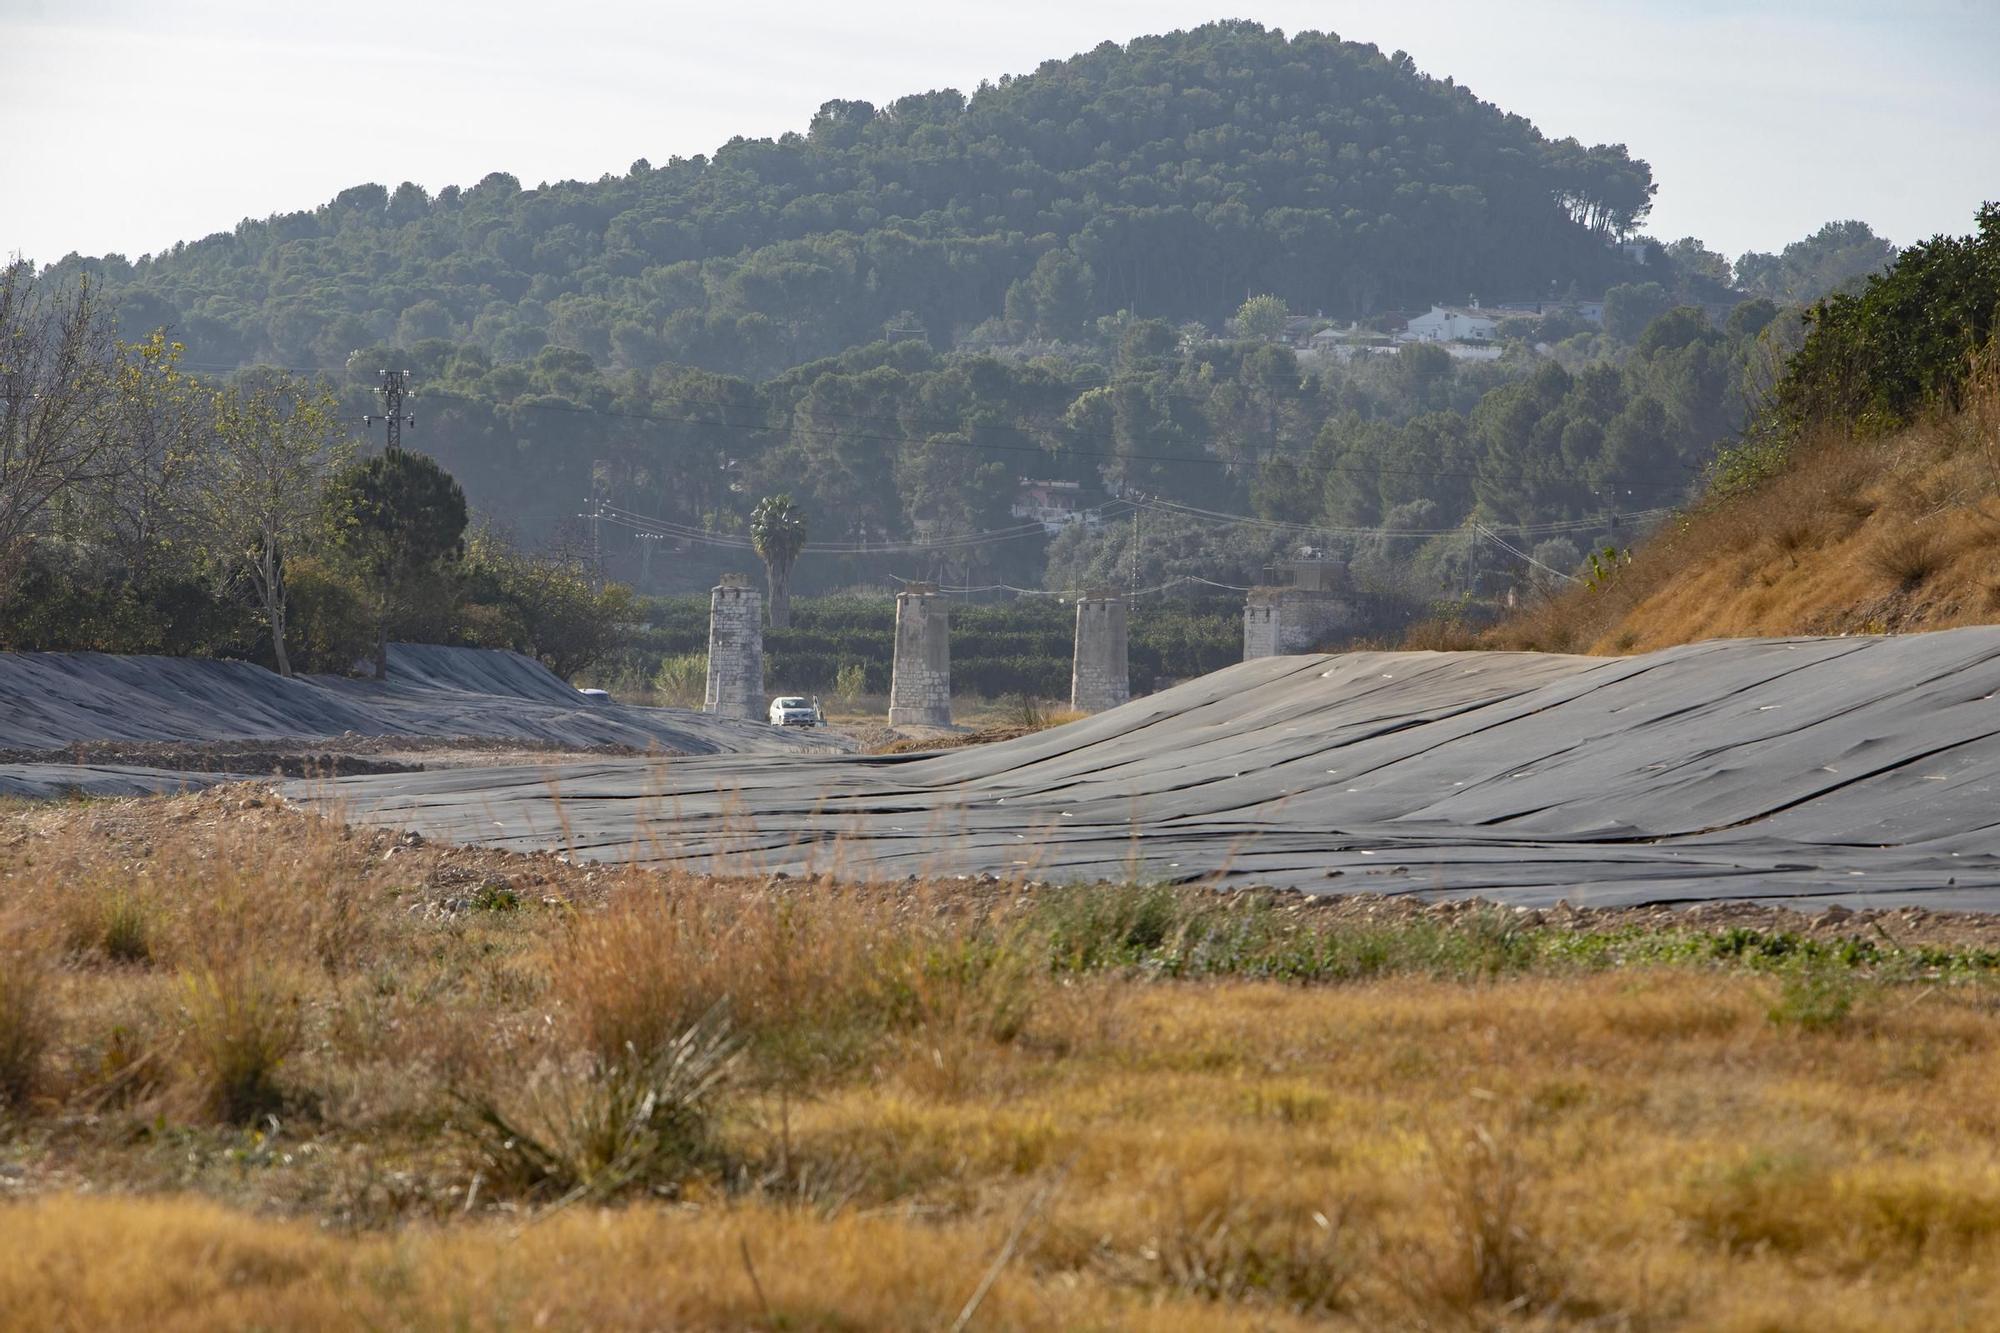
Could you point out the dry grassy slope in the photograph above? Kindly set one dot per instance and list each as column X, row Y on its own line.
column 244, row 1053
column 1856, row 536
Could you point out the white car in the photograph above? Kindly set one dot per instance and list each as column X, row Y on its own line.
column 596, row 696
column 792, row 710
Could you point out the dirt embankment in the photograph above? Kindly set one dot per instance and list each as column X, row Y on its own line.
column 1854, row 536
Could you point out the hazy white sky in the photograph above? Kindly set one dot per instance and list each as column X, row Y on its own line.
column 131, row 124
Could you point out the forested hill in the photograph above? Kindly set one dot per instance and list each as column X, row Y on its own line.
column 1170, row 177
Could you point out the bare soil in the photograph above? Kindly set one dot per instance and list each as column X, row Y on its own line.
column 950, row 740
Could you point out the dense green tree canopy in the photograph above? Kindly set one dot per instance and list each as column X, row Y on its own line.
column 1091, row 276
column 1171, row 176
column 1836, row 258
column 1909, row 339
column 401, row 518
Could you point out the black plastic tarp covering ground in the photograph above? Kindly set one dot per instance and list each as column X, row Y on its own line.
column 52, row 700
column 1856, row 770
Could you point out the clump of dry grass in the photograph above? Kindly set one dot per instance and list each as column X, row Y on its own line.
column 659, row 957
column 1304, row 1260
column 811, row 976
column 1489, row 1256
column 1908, row 557
column 1442, row 634
column 1801, row 1199
column 1795, row 536
column 243, row 1023
column 643, row 1119
column 111, row 921
column 27, row 1014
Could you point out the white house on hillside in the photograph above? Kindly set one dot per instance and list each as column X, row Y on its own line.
column 1053, row 504
column 1451, row 324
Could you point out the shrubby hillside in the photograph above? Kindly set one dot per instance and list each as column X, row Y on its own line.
column 897, row 315
column 893, row 439
column 1865, row 497
column 1171, row 177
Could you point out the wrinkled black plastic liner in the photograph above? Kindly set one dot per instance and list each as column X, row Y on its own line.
column 1854, row 770
column 51, row 701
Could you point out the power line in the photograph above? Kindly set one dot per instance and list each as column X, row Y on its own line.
column 644, row 523
column 1341, row 530
column 794, row 431
column 1493, row 537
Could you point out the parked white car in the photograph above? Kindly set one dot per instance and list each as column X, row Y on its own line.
column 596, row 696
column 792, row 710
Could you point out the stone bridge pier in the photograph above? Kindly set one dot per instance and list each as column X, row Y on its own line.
column 920, row 681
column 1100, row 675
column 1304, row 604
column 735, row 650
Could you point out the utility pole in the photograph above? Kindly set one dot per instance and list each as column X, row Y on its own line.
column 647, row 540
column 595, row 505
column 593, row 509
column 1132, row 592
column 395, row 388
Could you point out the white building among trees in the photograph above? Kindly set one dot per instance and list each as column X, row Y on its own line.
column 1451, row 324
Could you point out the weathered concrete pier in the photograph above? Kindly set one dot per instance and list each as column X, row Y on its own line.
column 920, row 681
column 1100, row 674
column 1304, row 603
column 735, row 650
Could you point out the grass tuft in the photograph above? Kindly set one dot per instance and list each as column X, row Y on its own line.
column 126, row 933
column 1910, row 557
column 242, row 1025
column 111, row 921
column 1305, row 1261
column 1489, row 1255
column 681, row 681
column 27, row 1016
column 640, row 1121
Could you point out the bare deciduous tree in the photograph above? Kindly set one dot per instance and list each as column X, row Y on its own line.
column 58, row 401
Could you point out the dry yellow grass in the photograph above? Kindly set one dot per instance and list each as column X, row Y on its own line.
column 1854, row 536
column 1488, row 1126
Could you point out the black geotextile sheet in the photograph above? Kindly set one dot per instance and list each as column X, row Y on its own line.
column 49, row 701
column 1851, row 770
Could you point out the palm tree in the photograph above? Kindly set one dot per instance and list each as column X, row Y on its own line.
column 778, row 532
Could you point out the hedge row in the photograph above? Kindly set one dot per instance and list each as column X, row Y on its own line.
column 1020, row 647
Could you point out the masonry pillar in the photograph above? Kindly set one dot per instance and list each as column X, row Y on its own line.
column 1100, row 676
column 920, row 683
column 1260, row 624
column 735, row 650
